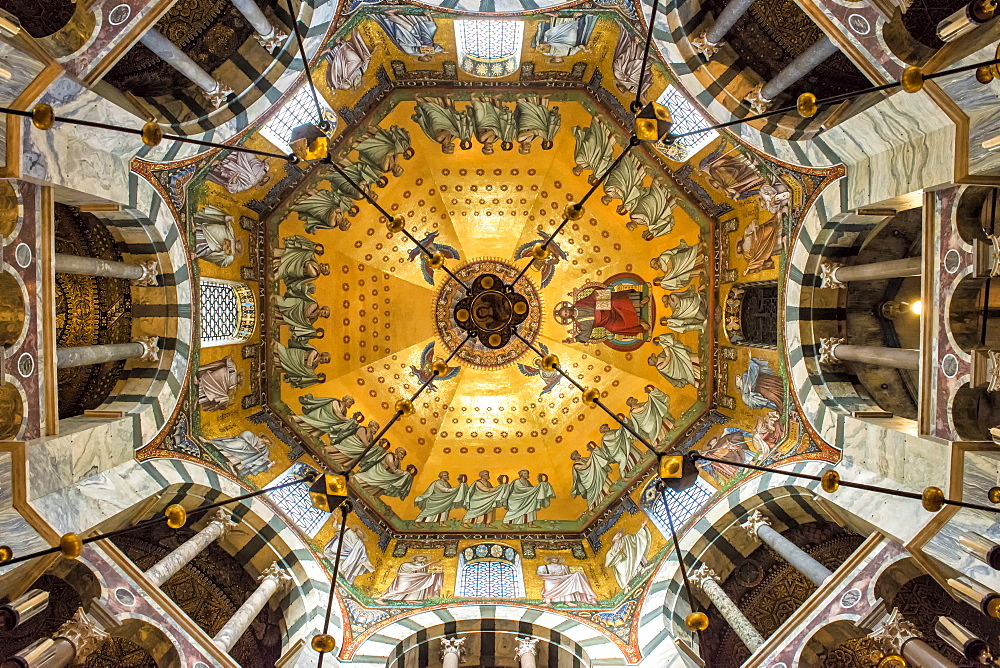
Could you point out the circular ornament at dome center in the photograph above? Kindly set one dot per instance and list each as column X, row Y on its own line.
column 492, row 311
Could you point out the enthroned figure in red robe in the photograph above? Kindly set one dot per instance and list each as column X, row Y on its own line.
column 618, row 312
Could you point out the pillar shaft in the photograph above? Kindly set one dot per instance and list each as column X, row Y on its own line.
column 921, row 655
column 758, row 525
column 727, row 19
column 802, row 65
column 143, row 349
column 910, row 266
column 176, row 560
column 832, row 350
column 180, row 61
column 271, row 580
column 705, row 578
column 251, row 12
column 91, row 266
column 44, row 653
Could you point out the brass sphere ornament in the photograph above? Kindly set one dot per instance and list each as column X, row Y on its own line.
column 176, row 516
column 830, row 481
column 439, row 367
column 696, row 621
column 932, row 499
column 495, row 340
column 152, row 134
column 404, row 407
column 323, row 643
column 6, row 554
column 396, row 224
column 550, row 362
column 42, row 116
column 893, row 661
column 573, row 211
column 993, row 495
column 985, row 74
column 912, row 79
column 806, row 105
column 435, row 261
column 540, row 251
column 70, row 545
column 591, row 395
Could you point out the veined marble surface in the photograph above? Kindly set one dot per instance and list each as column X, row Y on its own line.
column 982, row 105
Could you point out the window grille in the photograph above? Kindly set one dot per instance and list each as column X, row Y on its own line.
column 489, row 570
column 294, row 499
column 228, row 312
column 488, row 48
column 686, row 118
column 298, row 110
column 683, row 504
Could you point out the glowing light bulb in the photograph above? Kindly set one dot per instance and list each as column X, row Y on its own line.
column 917, row 307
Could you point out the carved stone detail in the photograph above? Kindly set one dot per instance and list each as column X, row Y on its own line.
column 150, row 270
column 895, row 631
column 704, row 47
column 758, row 103
column 754, row 522
column 526, row 646
column 828, row 275
column 150, row 346
column 83, row 633
column 273, row 40
column 454, row 646
column 827, row 349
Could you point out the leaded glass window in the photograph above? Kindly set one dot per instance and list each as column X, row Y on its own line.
column 294, row 499
column 228, row 312
column 489, row 570
column 488, row 48
column 298, row 110
column 686, row 118
column 683, row 504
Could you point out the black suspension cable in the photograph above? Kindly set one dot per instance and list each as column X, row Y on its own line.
column 677, row 550
column 305, row 61
column 637, row 105
column 345, row 509
column 989, row 281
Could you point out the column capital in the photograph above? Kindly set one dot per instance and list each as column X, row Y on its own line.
column 84, row 634
column 995, row 239
column 828, row 275
column 994, row 373
column 703, row 575
column 454, row 645
column 754, row 522
column 224, row 519
column 276, row 573
column 758, row 103
column 219, row 94
column 150, row 270
column 150, row 348
column 526, row 646
column 827, row 349
column 895, row 631
column 273, row 40
column 703, row 46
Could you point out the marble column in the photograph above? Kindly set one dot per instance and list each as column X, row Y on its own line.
column 760, row 98
column 707, row 43
column 526, row 652
column 269, row 37
column 216, row 91
column 833, row 349
column 272, row 580
column 898, row 636
column 71, row 644
column 220, row 522
column 760, row 526
column 834, row 275
column 143, row 273
column 145, row 349
column 452, row 651
column 709, row 582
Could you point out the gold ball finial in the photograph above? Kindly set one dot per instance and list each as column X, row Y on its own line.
column 152, row 134
column 439, row 367
column 912, row 79
column 462, row 315
column 404, row 407
column 550, row 362
column 893, row 661
column 71, row 546
column 830, row 481
column 985, row 74
column 591, row 395
column 495, row 340
column 396, row 224
column 696, row 621
column 932, row 499
column 323, row 643
column 540, row 251
column 573, row 211
column 6, row 554
column 520, row 308
column 993, row 495
column 806, row 105
column 42, row 116
column 176, row 516
column 435, row 261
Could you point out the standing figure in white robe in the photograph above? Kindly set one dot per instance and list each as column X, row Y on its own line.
column 562, row 585
column 325, row 415
column 415, row 581
column 440, row 498
column 213, row 237
column 443, row 123
column 652, row 418
column 536, row 120
column 627, row 65
column 676, row 362
column 593, row 149
column 247, row 453
column 618, row 446
column 240, row 171
column 688, row 310
column 678, row 265
column 654, row 210
column 627, row 554
column 482, row 500
column 524, row 499
column 625, row 183
column 388, row 477
column 591, row 476
column 354, row 559
column 348, row 62
column 563, row 37
column 413, row 34
column 217, row 383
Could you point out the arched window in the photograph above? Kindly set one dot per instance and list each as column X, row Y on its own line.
column 294, row 500
column 298, row 110
column 751, row 317
column 686, row 118
column 488, row 48
column 490, row 570
column 228, row 312
column 683, row 504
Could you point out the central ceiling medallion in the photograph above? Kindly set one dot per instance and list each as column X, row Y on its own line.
column 492, row 310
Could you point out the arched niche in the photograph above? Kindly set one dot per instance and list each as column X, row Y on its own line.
column 832, row 644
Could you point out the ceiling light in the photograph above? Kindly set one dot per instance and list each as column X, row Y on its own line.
column 917, row 307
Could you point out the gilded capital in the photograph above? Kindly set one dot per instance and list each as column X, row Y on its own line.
column 84, row 633
column 895, row 631
column 754, row 522
column 703, row 46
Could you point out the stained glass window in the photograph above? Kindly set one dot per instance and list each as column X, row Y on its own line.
column 294, row 499
column 488, row 48
column 298, row 110
column 683, row 504
column 686, row 118
column 228, row 312
column 490, row 570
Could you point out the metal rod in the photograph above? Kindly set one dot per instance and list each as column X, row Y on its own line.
column 149, row 522
column 989, row 281
column 305, row 66
column 345, row 509
column 637, row 105
column 677, row 551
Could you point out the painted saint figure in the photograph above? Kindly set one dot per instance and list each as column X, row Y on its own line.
column 560, row 584
column 535, row 120
column 247, row 452
column 240, row 171
column 591, row 478
column 618, row 446
column 560, row 38
column 325, row 210
column 759, row 387
column 416, row 580
column 627, row 554
column 299, row 314
column 627, row 65
column 688, row 310
column 676, row 362
column 655, row 210
column 354, row 559
column 348, row 448
column 493, row 122
column 299, row 362
column 482, row 499
column 381, row 149
column 348, row 61
column 296, row 264
column 217, row 382
column 388, row 477
column 625, row 183
column 442, row 123
column 615, row 311
column 736, row 175
column 758, row 245
column 324, row 415
column 213, row 237
column 413, row 34
column 524, row 499
column 651, row 418
column 440, row 498
column 678, row 265
column 593, row 149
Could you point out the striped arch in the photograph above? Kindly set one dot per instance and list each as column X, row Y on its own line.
column 586, row 641
column 262, row 537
